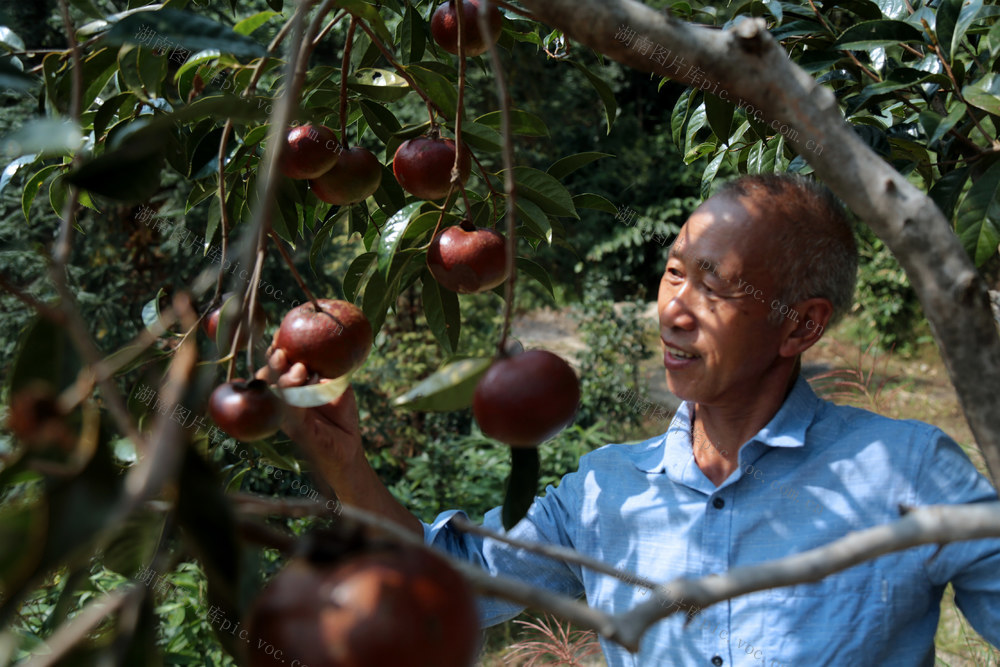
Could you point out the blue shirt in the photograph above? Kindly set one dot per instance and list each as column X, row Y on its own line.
column 815, row 472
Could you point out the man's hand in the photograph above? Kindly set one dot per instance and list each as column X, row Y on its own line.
column 329, row 433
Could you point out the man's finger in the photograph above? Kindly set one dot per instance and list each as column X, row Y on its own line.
column 294, row 376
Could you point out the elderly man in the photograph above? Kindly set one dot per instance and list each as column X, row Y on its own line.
column 755, row 275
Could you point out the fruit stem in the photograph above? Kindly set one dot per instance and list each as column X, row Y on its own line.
column 295, row 272
column 456, row 176
column 431, row 107
column 344, row 69
column 508, row 167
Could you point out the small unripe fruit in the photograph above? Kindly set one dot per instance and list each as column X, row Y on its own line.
column 333, row 342
column 310, row 151
column 468, row 259
column 444, row 27
column 405, row 608
column 354, row 178
column 422, row 166
column 210, row 324
column 525, row 399
column 246, row 410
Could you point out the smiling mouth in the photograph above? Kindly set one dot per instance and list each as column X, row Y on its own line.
column 678, row 353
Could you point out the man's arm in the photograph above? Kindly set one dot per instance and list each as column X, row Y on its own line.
column 331, row 439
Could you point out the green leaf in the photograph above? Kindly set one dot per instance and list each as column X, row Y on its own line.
column 381, row 85
column 382, row 121
column 15, row 79
column 482, row 137
column 172, row 28
column 439, row 89
column 314, row 395
column 392, row 234
column 563, row 167
column 984, row 93
column 128, row 173
column 872, row 34
column 953, row 20
column 32, row 187
column 43, row 136
column 411, row 34
column 544, row 190
column 946, row 192
column 449, row 388
column 978, row 221
column 594, row 202
column 678, row 117
column 353, row 277
column 443, row 314
column 521, row 122
column 251, row 23
column 44, row 352
column 720, row 116
column 534, row 218
column 522, row 485
column 711, row 170
column 321, row 234
column 935, row 127
column 604, row 91
column 537, row 272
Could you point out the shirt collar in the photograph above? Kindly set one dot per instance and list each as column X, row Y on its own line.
column 786, row 429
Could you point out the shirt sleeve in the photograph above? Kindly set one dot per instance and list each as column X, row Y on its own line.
column 552, row 519
column 947, row 476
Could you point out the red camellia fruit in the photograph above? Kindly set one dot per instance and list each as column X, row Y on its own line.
column 444, row 27
column 526, row 398
column 468, row 259
column 210, row 324
column 402, row 608
column 310, row 152
column 354, row 178
column 333, row 342
column 246, row 410
column 422, row 166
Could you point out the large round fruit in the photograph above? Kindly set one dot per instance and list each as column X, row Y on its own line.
column 405, row 608
column 246, row 410
column 310, row 151
column 422, row 166
column 333, row 342
column 354, row 178
column 527, row 398
column 468, row 259
column 444, row 27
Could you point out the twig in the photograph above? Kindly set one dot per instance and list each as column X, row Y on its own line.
column 345, row 67
column 456, row 175
column 295, row 272
column 328, row 27
column 508, row 165
column 556, row 552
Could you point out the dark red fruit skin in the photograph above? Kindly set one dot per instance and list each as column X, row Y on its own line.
column 246, row 410
column 210, row 325
column 444, row 27
column 310, row 151
column 331, row 343
column 468, row 259
column 354, row 178
column 405, row 608
column 422, row 166
column 36, row 419
column 526, row 399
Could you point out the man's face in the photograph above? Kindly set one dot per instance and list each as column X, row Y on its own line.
column 713, row 304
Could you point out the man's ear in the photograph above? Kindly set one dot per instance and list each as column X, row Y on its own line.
column 803, row 331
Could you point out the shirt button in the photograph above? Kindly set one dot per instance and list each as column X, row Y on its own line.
column 718, row 504
column 717, row 660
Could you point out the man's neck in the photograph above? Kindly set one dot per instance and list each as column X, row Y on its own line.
column 718, row 432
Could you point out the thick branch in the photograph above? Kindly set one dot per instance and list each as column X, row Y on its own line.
column 745, row 65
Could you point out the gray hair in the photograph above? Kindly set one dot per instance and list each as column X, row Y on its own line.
column 814, row 249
